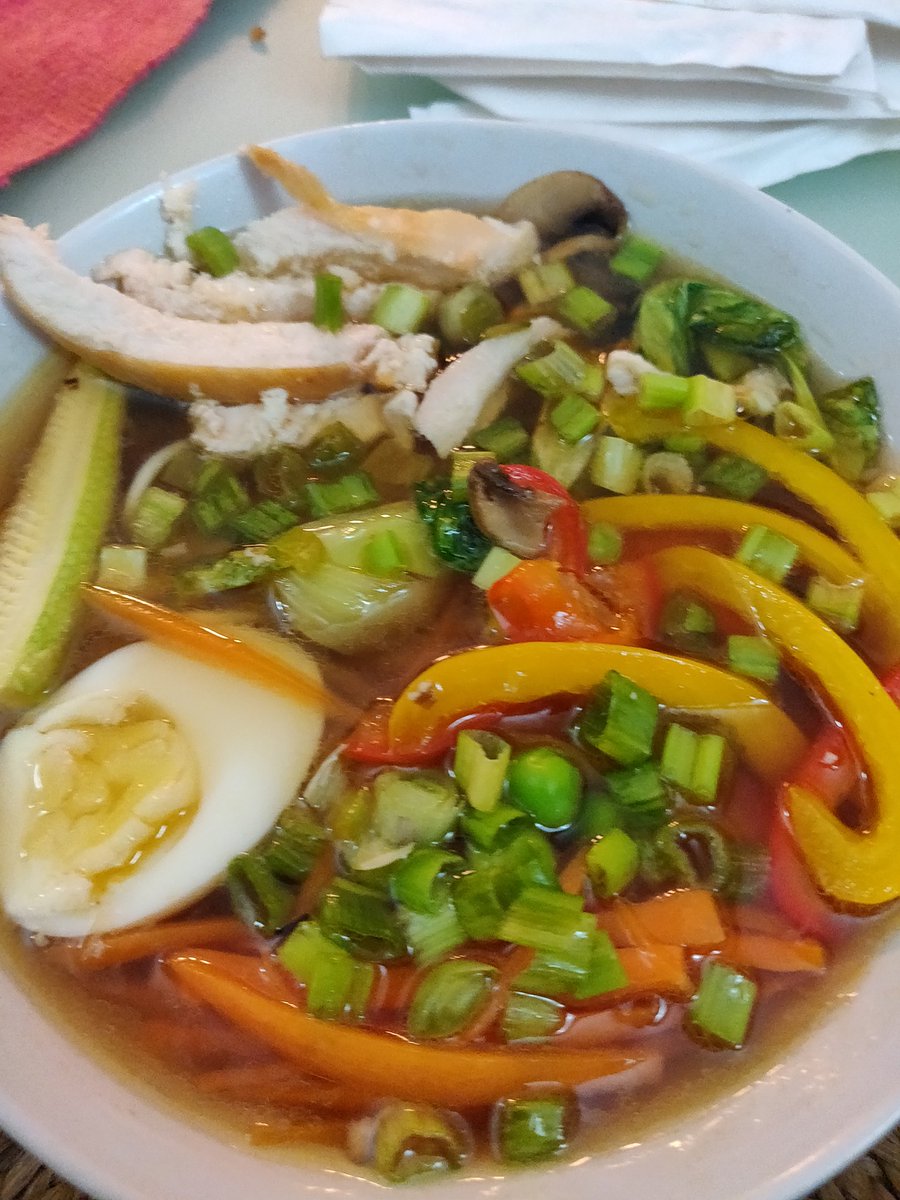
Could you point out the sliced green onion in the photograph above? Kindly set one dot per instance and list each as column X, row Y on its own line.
column 620, row 720
column 414, row 806
column 413, row 1140
column 122, row 568
column 717, row 870
column 526, row 854
column 482, row 897
column 344, row 495
column 263, row 522
column 450, row 997
column 531, row 1018
column 840, row 604
column 328, row 307
column 639, row 794
column 599, row 814
column 887, row 505
column 709, row 402
column 543, row 282
column 219, row 497
column 335, row 448
column 664, row 862
column 293, row 846
column 465, row 315
column 805, row 431
column 734, row 476
column 687, row 625
column 588, row 966
column 461, row 464
column 338, row 986
column 668, row 473
column 281, row 475
column 482, row 828
column 693, row 762
column 660, row 390
column 240, row 568
column 362, row 919
column 384, row 555
column 419, row 882
column 604, row 544
column 637, row 258
column 257, row 896
column 754, row 657
column 479, row 764
column 297, row 550
column 612, row 863
column 505, row 438
column 584, row 309
column 616, row 465
column 530, row 1130
column 546, row 785
column 691, row 445
column 153, row 520
column 213, row 250
column 605, row 972
column 723, row 1005
column 400, row 308
column 496, row 564
column 562, row 370
column 434, row 935
column 768, row 553
column 543, row 919
column 573, row 418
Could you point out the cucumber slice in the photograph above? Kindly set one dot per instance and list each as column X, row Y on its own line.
column 51, row 533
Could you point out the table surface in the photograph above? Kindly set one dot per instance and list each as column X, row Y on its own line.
column 222, row 90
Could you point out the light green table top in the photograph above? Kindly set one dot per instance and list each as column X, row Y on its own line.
column 221, row 90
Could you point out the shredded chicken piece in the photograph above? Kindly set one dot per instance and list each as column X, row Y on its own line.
column 624, row 369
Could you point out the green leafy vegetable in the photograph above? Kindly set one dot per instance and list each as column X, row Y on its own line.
column 853, row 418
column 455, row 537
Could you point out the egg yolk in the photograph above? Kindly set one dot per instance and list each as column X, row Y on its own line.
column 104, row 796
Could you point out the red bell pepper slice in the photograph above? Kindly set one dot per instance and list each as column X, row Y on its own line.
column 567, row 532
column 538, row 601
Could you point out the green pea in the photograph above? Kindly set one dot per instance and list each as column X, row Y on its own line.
column 545, row 785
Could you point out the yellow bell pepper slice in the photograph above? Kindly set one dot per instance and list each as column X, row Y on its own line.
column 879, row 629
column 847, row 512
column 859, row 869
column 529, row 671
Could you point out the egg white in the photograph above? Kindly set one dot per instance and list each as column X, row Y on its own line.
column 253, row 749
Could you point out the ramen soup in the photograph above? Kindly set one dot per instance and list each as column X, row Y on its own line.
column 449, row 665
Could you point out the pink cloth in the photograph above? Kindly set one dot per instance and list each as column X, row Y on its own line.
column 65, row 63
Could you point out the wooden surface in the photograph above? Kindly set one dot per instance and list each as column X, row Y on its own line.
column 875, row 1176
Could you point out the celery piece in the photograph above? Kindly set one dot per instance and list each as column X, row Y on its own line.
column 155, row 517
column 328, row 307
column 709, row 402
column 480, row 764
column 637, row 258
column 604, row 544
column 573, row 418
column 617, row 465
column 840, row 604
column 768, row 553
column 465, row 315
column 400, row 309
column 212, row 250
column 122, row 568
column 497, row 563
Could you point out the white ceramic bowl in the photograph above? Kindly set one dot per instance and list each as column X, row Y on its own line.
column 834, row 1092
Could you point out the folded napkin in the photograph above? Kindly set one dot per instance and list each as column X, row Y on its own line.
column 763, row 89
column 63, row 66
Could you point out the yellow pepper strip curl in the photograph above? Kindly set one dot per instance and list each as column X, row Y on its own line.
column 860, row 869
column 527, row 671
column 847, row 512
column 880, row 629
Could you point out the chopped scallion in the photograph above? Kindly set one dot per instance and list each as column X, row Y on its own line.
column 413, row 1140
column 362, row 919
column 434, row 935
column 480, row 764
column 238, row 569
column 337, row 985
column 263, row 522
column 482, row 828
column 637, row 258
column 259, row 898
column 562, row 370
column 531, row 1018
column 723, row 1005
column 612, row 863
column 417, row 881
column 450, row 997
column 768, row 553
column 543, row 919
column 400, row 308
column 328, row 307
column 153, row 520
column 616, row 465
column 693, row 762
column 573, row 418
column 687, row 624
column 297, row 550
column 639, row 794
column 840, row 604
column 543, row 282
column 465, row 315
column 620, row 720
column 212, row 250
column 584, row 309
column 218, row 499
column 414, row 806
column 496, row 564
column 754, row 657
column 734, row 476
column 344, row 495
column 334, row 448
column 505, row 438
column 709, row 402
column 657, row 390
column 604, row 544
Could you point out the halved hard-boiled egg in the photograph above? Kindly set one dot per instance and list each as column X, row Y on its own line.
column 125, row 796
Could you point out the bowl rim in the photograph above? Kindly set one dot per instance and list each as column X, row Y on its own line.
column 109, row 1105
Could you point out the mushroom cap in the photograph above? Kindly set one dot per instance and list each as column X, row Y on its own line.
column 511, row 516
column 564, row 203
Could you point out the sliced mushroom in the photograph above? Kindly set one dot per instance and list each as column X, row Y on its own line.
column 511, row 516
column 565, row 203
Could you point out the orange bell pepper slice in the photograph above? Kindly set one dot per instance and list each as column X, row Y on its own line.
column 504, row 676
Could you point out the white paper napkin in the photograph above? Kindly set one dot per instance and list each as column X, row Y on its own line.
column 518, row 35
column 756, row 153
column 884, row 12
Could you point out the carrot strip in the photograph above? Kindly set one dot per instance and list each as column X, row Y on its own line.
column 747, row 918
column 324, row 1131
column 281, row 1085
column 315, row 883
column 573, row 875
column 177, row 631
column 688, row 917
column 765, row 953
column 199, row 1045
column 262, row 974
column 99, row 951
column 383, row 1065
